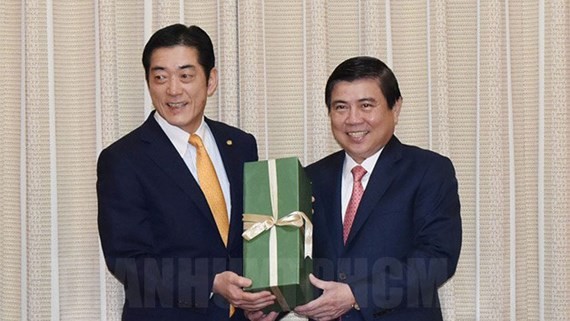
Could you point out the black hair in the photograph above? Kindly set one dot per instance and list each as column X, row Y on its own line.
column 179, row 34
column 364, row 67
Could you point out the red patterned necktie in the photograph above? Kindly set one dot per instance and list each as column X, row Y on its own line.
column 357, row 190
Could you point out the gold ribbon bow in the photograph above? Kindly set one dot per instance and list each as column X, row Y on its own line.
column 255, row 224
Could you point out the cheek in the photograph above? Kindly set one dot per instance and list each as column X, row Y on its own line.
column 154, row 92
column 336, row 127
column 336, row 121
column 380, row 121
column 196, row 92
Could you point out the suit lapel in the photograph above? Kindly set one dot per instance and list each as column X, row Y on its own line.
column 332, row 201
column 162, row 152
column 382, row 177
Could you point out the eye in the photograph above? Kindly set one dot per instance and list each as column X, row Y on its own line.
column 367, row 105
column 340, row 107
column 186, row 77
column 159, row 78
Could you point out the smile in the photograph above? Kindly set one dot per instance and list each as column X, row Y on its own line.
column 176, row 105
column 357, row 134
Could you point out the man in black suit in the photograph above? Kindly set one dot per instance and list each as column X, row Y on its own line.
column 387, row 215
column 162, row 233
column 387, row 226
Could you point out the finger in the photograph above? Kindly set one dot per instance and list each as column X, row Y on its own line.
column 255, row 306
column 241, row 282
column 317, row 282
column 321, row 307
column 256, row 296
column 254, row 316
column 309, row 308
column 254, row 303
column 271, row 316
column 262, row 294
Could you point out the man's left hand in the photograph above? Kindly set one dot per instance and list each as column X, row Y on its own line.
column 336, row 300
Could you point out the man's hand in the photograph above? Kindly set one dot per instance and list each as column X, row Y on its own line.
column 260, row 316
column 336, row 300
column 230, row 286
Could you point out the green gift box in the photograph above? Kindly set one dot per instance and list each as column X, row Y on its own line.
column 278, row 231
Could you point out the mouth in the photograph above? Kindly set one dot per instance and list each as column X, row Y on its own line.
column 176, row 104
column 357, row 134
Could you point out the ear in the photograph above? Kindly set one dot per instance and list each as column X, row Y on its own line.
column 396, row 110
column 213, row 81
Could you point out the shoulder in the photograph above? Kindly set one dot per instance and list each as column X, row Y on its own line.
column 239, row 142
column 333, row 158
column 397, row 151
column 425, row 156
column 219, row 128
column 125, row 143
column 134, row 142
column 420, row 152
column 326, row 166
column 417, row 163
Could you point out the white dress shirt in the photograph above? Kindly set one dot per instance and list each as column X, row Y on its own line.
column 348, row 179
column 179, row 139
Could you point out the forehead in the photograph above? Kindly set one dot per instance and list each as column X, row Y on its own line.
column 357, row 89
column 173, row 57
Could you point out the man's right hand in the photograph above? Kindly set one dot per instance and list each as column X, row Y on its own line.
column 230, row 285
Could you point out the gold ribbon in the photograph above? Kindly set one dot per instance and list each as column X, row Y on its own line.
column 256, row 224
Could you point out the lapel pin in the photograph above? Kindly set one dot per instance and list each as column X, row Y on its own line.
column 229, row 142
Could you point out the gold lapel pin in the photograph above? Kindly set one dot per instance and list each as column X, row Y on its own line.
column 229, row 142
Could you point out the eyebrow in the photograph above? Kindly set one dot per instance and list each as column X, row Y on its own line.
column 187, row 67
column 371, row 99
column 178, row 68
column 365, row 99
column 338, row 101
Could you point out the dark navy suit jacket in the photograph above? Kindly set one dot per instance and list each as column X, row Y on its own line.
column 158, row 235
column 406, row 237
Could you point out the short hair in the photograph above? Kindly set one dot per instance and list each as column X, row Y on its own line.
column 364, row 67
column 179, row 34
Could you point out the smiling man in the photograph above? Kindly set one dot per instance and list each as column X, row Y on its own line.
column 387, row 226
column 170, row 194
column 386, row 215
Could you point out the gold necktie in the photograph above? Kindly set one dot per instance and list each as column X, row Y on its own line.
column 211, row 187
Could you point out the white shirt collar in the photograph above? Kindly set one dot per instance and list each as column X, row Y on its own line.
column 347, row 179
column 178, row 136
column 368, row 165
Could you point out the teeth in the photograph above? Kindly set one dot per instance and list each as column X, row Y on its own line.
column 175, row 105
column 357, row 134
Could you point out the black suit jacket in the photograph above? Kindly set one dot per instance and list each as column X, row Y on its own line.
column 158, row 235
column 405, row 239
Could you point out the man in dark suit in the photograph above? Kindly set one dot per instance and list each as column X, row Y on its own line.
column 388, row 233
column 161, row 231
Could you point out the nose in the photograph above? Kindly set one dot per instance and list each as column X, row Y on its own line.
column 353, row 116
column 174, row 87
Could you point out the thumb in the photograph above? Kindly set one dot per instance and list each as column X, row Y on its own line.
column 242, row 282
column 318, row 283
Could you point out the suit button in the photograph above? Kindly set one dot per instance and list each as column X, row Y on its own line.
column 341, row 276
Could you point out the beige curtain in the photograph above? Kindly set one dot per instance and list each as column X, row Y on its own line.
column 485, row 82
